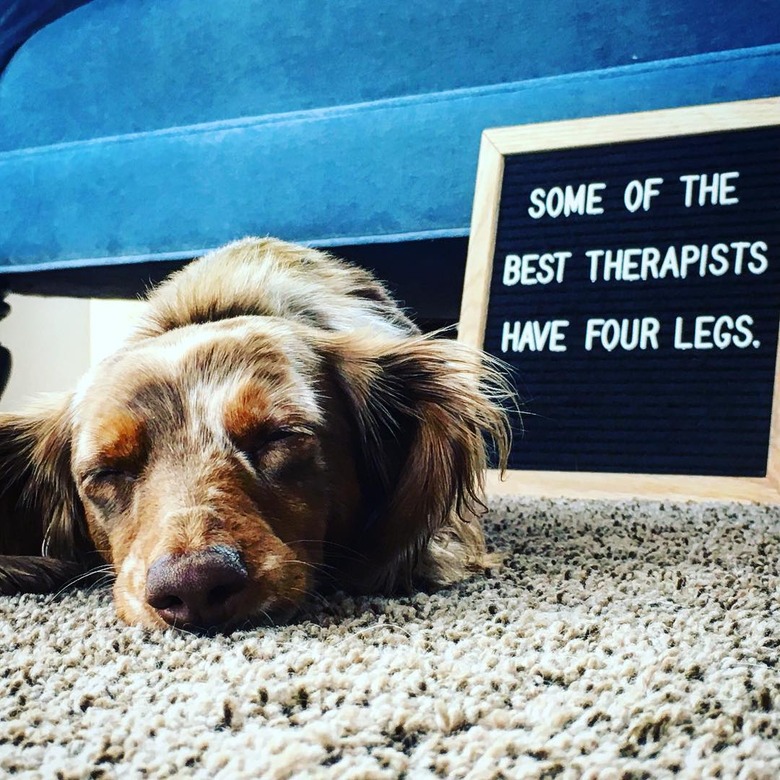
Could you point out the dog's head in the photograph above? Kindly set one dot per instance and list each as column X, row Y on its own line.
column 224, row 468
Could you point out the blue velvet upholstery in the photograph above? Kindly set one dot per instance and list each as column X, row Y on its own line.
column 137, row 129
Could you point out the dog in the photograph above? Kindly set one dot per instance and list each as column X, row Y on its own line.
column 275, row 425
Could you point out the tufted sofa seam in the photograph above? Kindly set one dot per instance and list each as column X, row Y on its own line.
column 432, row 98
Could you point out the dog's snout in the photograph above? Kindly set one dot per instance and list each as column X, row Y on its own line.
column 198, row 589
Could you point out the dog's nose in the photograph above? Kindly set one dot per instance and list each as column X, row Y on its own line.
column 198, row 589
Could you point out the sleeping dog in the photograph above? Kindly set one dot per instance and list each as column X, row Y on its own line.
column 274, row 425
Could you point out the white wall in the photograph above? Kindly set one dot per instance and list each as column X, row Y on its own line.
column 53, row 341
column 110, row 322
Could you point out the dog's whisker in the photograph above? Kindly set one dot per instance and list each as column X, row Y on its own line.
column 335, row 545
column 379, row 626
column 106, row 569
column 317, row 564
column 251, row 621
column 105, row 582
column 311, row 594
column 318, row 567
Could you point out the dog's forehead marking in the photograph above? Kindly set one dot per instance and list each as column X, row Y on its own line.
column 170, row 350
column 205, row 397
column 208, row 402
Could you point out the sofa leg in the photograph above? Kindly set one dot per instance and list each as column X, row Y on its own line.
column 5, row 354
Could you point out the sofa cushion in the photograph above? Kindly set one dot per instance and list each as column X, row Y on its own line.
column 115, row 67
column 382, row 171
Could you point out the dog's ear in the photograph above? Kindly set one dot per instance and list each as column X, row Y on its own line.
column 42, row 528
column 425, row 411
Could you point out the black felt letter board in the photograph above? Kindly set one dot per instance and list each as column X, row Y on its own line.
column 635, row 291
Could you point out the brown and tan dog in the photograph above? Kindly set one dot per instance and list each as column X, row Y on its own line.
column 274, row 424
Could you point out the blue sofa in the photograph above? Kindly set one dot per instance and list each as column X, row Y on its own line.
column 135, row 134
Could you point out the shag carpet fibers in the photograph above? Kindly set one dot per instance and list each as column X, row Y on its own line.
column 620, row 640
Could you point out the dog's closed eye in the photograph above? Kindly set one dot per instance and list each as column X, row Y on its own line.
column 272, row 451
column 109, row 488
column 257, row 443
column 108, row 475
column 281, row 435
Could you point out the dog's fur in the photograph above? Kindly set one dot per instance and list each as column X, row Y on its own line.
column 276, row 403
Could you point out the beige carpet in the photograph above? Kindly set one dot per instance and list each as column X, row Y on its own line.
column 621, row 640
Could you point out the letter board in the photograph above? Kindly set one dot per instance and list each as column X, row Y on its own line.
column 627, row 268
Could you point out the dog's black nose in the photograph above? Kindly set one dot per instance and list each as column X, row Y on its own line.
column 198, row 590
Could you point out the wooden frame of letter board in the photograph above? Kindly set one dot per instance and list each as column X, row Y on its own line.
column 495, row 146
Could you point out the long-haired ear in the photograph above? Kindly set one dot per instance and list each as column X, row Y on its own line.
column 42, row 528
column 426, row 410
